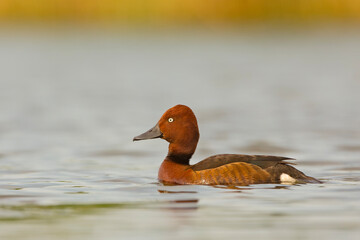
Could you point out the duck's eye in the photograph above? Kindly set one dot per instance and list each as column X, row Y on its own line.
column 170, row 120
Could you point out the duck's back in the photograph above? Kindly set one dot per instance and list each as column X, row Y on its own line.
column 240, row 169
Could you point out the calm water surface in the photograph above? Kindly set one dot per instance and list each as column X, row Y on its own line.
column 72, row 101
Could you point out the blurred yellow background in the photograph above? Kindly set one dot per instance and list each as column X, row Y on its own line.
column 166, row 12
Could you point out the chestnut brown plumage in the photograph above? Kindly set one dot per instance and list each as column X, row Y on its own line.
column 179, row 127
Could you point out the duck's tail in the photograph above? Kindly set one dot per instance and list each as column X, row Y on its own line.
column 284, row 173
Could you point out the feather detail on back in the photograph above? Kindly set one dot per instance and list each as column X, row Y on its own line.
column 262, row 161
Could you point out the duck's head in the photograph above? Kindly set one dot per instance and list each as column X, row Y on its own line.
column 178, row 126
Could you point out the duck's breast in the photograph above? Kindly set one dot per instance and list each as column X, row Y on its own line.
column 175, row 173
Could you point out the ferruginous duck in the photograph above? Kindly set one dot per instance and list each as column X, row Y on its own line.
column 179, row 127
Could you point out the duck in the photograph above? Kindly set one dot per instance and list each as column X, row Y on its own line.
column 179, row 127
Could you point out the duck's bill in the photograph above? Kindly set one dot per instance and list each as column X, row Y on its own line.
column 152, row 133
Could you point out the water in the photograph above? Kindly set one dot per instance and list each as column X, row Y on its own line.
column 71, row 102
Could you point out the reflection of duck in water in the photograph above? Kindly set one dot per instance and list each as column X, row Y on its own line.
column 178, row 126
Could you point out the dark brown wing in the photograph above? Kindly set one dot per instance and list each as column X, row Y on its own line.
column 262, row 161
column 273, row 165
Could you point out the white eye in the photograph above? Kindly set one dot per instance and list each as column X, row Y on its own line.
column 170, row 120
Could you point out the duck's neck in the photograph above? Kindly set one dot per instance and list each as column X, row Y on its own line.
column 181, row 153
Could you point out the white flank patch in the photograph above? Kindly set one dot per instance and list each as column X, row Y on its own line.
column 285, row 178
